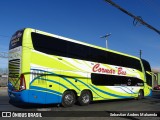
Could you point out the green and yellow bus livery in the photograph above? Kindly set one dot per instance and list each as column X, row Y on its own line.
column 49, row 69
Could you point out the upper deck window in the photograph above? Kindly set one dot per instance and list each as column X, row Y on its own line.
column 60, row 47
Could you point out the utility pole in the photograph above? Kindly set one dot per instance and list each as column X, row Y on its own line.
column 106, row 38
column 140, row 53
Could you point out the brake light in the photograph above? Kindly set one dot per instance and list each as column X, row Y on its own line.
column 22, row 83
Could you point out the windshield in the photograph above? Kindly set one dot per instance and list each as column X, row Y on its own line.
column 146, row 65
column 147, row 70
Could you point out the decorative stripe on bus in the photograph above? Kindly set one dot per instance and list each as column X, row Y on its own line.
column 51, row 73
column 88, row 87
column 110, row 94
column 125, row 90
column 45, row 90
column 99, row 90
column 51, row 81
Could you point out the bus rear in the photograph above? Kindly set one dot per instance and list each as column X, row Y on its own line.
column 16, row 80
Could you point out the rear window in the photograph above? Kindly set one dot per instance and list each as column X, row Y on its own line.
column 16, row 40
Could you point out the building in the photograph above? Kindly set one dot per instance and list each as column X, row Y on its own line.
column 155, row 77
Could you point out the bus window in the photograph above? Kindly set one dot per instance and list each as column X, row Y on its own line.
column 147, row 70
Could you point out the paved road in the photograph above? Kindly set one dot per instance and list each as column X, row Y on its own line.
column 114, row 106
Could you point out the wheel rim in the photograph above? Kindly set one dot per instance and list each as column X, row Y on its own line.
column 139, row 94
column 85, row 98
column 68, row 99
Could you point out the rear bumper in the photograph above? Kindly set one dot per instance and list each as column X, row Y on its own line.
column 21, row 96
column 33, row 96
column 150, row 93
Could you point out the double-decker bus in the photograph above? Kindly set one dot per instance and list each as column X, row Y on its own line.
column 49, row 69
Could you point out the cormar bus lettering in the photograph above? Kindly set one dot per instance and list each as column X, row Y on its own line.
column 121, row 72
column 97, row 68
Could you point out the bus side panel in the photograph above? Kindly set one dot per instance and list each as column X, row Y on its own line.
column 36, row 97
column 53, row 94
column 44, row 81
column 53, row 98
column 147, row 90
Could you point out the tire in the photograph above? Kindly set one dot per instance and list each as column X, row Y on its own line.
column 84, row 98
column 68, row 99
column 140, row 95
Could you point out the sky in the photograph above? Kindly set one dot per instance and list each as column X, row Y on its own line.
column 86, row 21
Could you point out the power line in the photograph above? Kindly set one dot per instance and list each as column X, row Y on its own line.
column 136, row 18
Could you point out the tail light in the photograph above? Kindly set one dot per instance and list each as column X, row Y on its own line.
column 22, row 83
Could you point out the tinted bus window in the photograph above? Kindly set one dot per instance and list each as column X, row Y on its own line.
column 49, row 45
column 77, row 51
column 97, row 55
column 114, row 80
column 56, row 46
column 147, row 68
column 146, row 65
column 124, row 61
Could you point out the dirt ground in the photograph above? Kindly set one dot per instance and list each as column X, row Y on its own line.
column 3, row 82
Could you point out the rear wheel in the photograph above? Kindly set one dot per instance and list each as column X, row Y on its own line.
column 84, row 98
column 68, row 99
column 140, row 95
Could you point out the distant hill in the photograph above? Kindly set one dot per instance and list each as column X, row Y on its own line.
column 156, row 70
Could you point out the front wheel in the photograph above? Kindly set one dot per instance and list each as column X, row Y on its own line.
column 84, row 98
column 68, row 99
column 140, row 95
